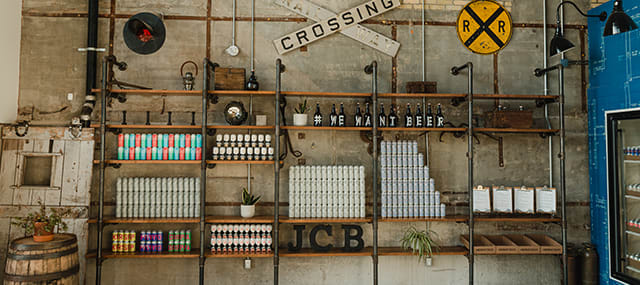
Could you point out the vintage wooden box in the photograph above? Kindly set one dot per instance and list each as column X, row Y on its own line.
column 422, row 87
column 229, row 78
column 509, row 119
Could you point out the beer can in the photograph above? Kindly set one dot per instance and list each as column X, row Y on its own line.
column 114, row 246
column 193, row 153
column 132, row 236
column 181, row 246
column 144, row 247
column 158, row 246
column 114, row 236
column 187, row 246
column 132, row 153
column 154, row 140
column 187, row 140
column 188, row 236
column 165, row 153
column 183, row 139
column 181, row 236
column 125, row 142
column 132, row 140
column 121, row 140
column 149, row 140
column 120, row 236
column 120, row 246
column 143, row 141
column 182, row 152
column 198, row 153
column 176, row 140
column 193, row 140
column 170, row 247
column 137, row 138
column 171, row 140
column 132, row 246
column 148, row 154
column 159, row 153
column 159, row 236
column 154, row 153
column 137, row 153
column 120, row 153
column 161, row 140
column 171, row 151
column 165, row 140
column 187, row 153
column 198, row 140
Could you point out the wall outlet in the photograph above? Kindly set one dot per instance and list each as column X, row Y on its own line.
column 70, row 96
column 247, row 263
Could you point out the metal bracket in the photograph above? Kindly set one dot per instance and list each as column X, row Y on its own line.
column 75, row 129
column 211, row 132
column 500, row 153
column 24, row 125
column 115, row 131
column 86, row 49
column 211, row 165
column 455, row 102
column 114, row 165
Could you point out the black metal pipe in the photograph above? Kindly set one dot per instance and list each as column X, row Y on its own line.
column 103, row 130
column 373, row 70
column 203, row 165
column 90, row 82
column 276, row 168
column 563, row 187
column 455, row 71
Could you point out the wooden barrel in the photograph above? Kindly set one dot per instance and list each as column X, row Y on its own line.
column 54, row 262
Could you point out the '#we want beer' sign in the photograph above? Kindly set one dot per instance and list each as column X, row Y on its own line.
column 331, row 25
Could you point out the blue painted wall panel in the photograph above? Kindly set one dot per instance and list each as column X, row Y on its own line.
column 614, row 78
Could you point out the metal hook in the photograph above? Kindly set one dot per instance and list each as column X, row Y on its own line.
column 22, row 124
column 185, row 63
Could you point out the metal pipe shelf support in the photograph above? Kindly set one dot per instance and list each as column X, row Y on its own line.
column 276, row 169
column 103, row 129
column 373, row 70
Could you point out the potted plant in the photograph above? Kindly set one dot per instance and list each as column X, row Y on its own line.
column 420, row 242
column 300, row 117
column 42, row 225
column 248, row 207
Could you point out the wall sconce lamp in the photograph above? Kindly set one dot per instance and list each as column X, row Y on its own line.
column 619, row 22
column 559, row 44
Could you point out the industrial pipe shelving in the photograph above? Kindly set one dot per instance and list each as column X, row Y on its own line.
column 374, row 251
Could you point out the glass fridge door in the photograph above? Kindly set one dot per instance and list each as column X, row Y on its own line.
column 623, row 159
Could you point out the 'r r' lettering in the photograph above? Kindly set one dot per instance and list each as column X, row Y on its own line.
column 501, row 25
column 465, row 26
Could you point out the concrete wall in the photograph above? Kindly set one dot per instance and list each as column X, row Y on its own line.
column 52, row 31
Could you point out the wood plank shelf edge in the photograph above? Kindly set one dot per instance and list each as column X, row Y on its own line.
column 239, row 220
column 114, row 220
column 287, row 220
column 194, row 253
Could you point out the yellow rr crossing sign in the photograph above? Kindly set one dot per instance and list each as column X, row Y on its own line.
column 484, row 26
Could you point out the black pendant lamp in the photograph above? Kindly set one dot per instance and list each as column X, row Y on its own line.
column 619, row 22
column 559, row 44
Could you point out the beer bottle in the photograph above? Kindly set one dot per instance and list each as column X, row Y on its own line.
column 439, row 117
column 333, row 117
column 357, row 119
column 419, row 121
column 367, row 117
column 317, row 117
column 341, row 117
column 382, row 119
column 393, row 118
column 408, row 118
column 429, row 118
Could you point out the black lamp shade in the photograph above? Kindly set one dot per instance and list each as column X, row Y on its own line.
column 559, row 44
column 619, row 22
column 144, row 33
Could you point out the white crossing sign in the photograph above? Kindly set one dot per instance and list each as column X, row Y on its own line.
column 357, row 32
column 331, row 25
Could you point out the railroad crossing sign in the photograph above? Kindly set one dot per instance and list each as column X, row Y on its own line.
column 326, row 27
column 484, row 26
column 357, row 32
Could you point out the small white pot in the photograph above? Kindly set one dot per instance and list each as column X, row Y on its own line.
column 300, row 119
column 247, row 211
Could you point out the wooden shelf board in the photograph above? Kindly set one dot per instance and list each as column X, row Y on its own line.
column 241, row 93
column 194, row 253
column 240, row 162
column 444, row 250
column 116, row 126
column 445, row 219
column 114, row 220
column 287, row 220
column 239, row 220
column 423, row 129
column 115, row 161
column 325, row 94
column 516, row 97
column 511, row 130
column 210, row 254
column 422, row 95
column 631, row 157
column 159, row 92
column 307, row 252
column 228, row 127
column 312, row 128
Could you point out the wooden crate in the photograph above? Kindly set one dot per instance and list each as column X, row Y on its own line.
column 509, row 119
column 503, row 244
column 229, row 78
column 525, row 244
column 546, row 243
column 481, row 245
column 422, row 87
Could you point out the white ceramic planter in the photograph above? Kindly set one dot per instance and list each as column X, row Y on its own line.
column 300, row 119
column 247, row 211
